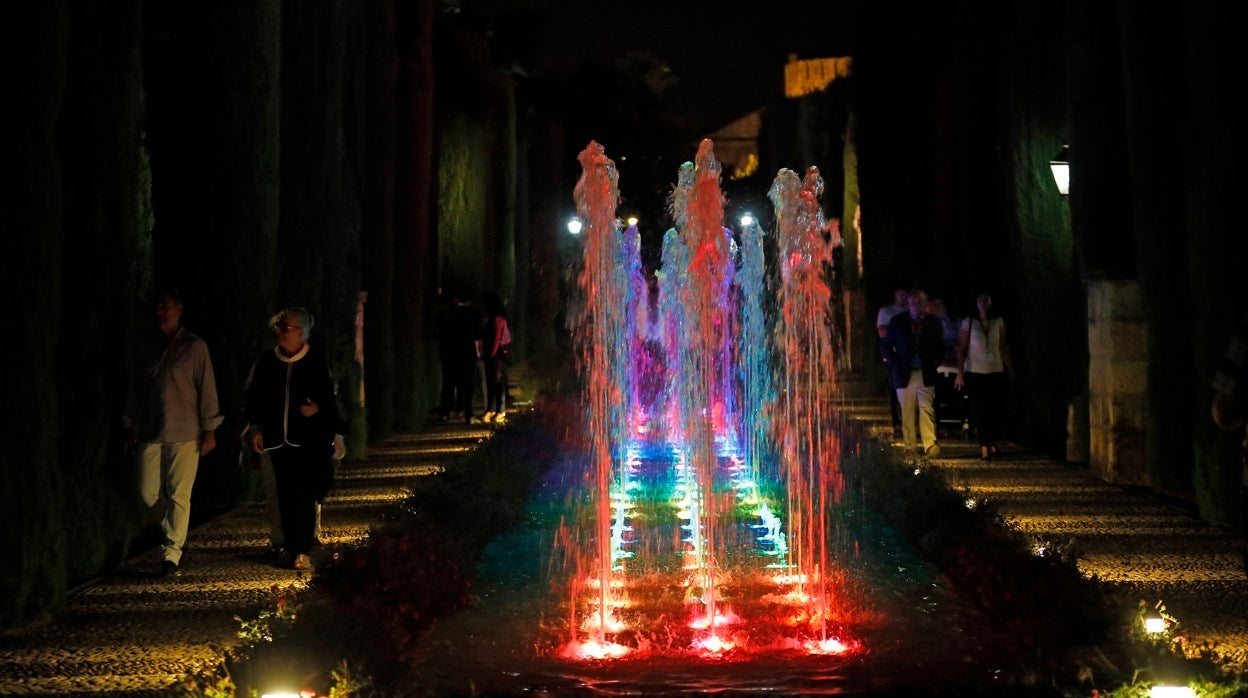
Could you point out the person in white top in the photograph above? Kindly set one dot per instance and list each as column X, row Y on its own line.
column 984, row 364
column 888, row 312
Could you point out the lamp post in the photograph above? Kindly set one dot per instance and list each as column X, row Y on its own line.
column 1060, row 166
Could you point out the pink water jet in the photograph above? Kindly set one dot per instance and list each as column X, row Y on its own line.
column 713, row 477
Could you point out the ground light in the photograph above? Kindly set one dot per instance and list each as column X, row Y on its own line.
column 1154, row 625
column 1171, row 692
column 574, row 225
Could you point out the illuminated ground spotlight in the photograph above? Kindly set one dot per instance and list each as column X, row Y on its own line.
column 1160, row 691
column 1154, row 625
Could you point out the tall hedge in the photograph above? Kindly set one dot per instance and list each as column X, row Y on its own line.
column 32, row 503
column 212, row 71
column 318, row 247
column 374, row 101
column 106, row 263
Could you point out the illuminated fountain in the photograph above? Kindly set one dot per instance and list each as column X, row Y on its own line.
column 695, row 535
column 708, row 532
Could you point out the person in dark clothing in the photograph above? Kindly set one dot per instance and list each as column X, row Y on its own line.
column 913, row 346
column 886, row 313
column 495, row 351
column 459, row 347
column 291, row 408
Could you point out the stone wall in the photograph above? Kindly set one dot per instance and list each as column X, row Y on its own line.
column 1117, row 381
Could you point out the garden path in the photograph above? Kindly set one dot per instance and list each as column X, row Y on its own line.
column 1145, row 548
column 140, row 634
column 137, row 634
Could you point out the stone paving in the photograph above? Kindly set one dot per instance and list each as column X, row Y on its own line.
column 137, row 634
column 1142, row 547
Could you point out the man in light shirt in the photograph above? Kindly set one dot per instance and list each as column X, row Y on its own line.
column 172, row 414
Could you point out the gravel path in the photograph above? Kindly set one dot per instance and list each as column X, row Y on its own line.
column 139, row 634
column 1144, row 548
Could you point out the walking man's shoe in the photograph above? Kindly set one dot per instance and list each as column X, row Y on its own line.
column 168, row 568
column 302, row 562
column 932, row 451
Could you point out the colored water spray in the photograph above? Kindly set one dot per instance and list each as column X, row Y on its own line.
column 745, row 450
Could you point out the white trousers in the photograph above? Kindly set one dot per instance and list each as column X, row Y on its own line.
column 166, row 476
column 916, row 404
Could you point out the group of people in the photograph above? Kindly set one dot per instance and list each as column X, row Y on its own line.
column 474, row 346
column 292, row 423
column 919, row 342
column 291, row 416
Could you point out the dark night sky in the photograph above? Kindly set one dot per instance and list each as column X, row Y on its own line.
column 729, row 62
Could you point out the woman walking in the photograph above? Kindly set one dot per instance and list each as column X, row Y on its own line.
column 496, row 351
column 983, row 366
column 291, row 407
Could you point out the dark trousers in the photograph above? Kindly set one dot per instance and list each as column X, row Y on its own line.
column 458, row 376
column 495, row 383
column 951, row 403
column 447, row 403
column 303, row 477
column 987, row 391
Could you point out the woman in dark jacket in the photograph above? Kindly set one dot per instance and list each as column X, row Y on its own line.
column 291, row 407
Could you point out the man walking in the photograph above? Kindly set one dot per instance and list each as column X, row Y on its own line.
column 913, row 347
column 459, row 337
column 173, row 415
column 882, row 318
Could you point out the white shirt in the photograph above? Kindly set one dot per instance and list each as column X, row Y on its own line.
column 983, row 355
column 889, row 312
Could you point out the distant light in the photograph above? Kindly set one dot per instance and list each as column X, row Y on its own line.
column 632, row 221
column 574, row 225
column 747, row 220
column 280, row 695
column 1171, row 692
column 1154, row 625
column 1060, row 166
